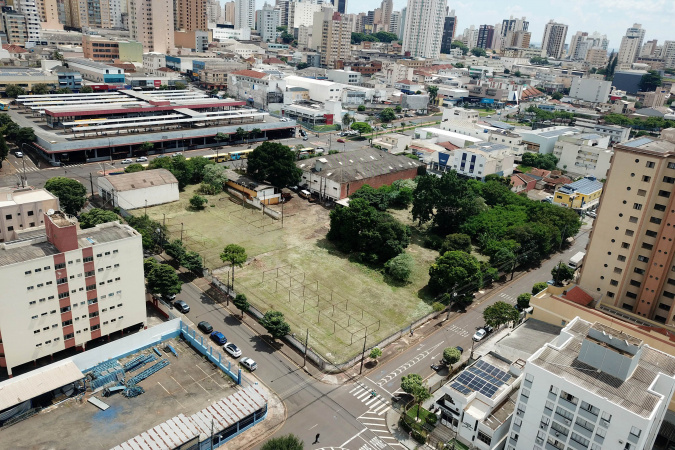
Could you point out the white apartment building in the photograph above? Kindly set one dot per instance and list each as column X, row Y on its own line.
column 616, row 133
column 152, row 62
column 302, row 13
column 21, row 209
column 543, row 140
column 29, row 9
column 319, row 90
column 223, row 34
column 595, row 388
column 584, row 154
column 68, row 287
column 332, row 36
column 269, row 18
column 467, row 122
column 631, row 44
column 344, row 76
column 553, row 42
column 423, row 31
column 590, row 90
column 244, row 14
column 668, row 54
column 151, row 23
column 482, row 159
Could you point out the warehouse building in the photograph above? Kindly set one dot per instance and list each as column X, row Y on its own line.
column 139, row 189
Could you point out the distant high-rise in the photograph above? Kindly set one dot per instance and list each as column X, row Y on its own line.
column 512, row 24
column 386, row 8
column 582, row 42
column 228, row 10
column 395, row 23
column 244, row 14
column 649, row 48
column 29, row 9
column 341, row 6
column 151, row 24
column 404, row 12
column 424, row 28
column 335, row 32
column 268, row 20
column 485, row 36
column 631, row 44
column 190, row 15
column 553, row 42
column 449, row 27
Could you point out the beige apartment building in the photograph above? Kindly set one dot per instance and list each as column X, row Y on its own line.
column 336, row 32
column 151, row 23
column 66, row 287
column 190, row 15
column 21, row 209
column 629, row 261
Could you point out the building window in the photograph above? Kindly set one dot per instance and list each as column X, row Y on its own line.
column 606, row 417
column 61, row 280
column 94, row 328
column 91, row 287
column 610, row 294
column 637, row 206
column 63, row 295
column 665, row 194
column 484, row 437
column 635, row 283
column 88, row 259
column 93, row 314
column 625, row 245
column 643, row 259
column 639, row 271
column 630, row 232
column 650, row 164
column 655, row 220
column 66, row 323
column 632, row 295
column 659, row 207
column 633, row 219
column 647, row 246
column 68, row 336
column 651, row 233
column 669, row 180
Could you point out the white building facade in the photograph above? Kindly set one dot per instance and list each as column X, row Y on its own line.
column 244, row 11
column 269, row 18
column 584, row 154
column 590, row 89
column 424, row 28
column 483, row 159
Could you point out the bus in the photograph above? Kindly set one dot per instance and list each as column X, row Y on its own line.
column 5, row 104
column 228, row 155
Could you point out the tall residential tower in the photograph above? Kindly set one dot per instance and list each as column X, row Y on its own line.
column 424, row 28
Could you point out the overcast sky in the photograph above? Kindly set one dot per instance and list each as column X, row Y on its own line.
column 610, row 17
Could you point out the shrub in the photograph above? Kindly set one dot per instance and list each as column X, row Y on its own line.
column 438, row 306
column 432, row 419
column 208, row 189
column 400, row 267
column 538, row 287
column 198, row 202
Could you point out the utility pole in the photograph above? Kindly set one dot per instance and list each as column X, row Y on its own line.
column 181, row 232
column 91, row 181
column 304, row 360
column 363, row 354
column 146, row 200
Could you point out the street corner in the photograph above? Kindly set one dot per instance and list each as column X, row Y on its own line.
column 276, row 417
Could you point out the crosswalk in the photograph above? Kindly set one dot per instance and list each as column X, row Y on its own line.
column 378, row 426
column 461, row 331
column 376, row 405
column 508, row 298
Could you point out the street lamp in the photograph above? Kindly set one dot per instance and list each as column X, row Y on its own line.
column 23, row 161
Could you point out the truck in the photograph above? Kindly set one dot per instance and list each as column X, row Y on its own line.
column 577, row 260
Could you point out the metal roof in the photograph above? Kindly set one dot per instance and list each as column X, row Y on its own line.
column 37, row 382
column 637, row 142
column 584, row 186
column 141, row 180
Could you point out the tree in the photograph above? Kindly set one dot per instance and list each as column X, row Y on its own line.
column 414, row 385
column 148, row 265
column 23, row 135
column 458, row 65
column 86, row 90
column 151, row 230
column 538, row 287
column 198, row 202
column 561, row 273
column 72, row 194
column 179, row 86
column 175, row 249
column 375, row 353
column 361, row 108
column 40, row 89
column 4, row 149
column 274, row 323
column 477, row 51
column 557, row 95
column 196, row 166
column 240, row 134
column 302, row 65
column 507, row 71
column 235, row 255
column 57, row 56
column 288, row 442
column 163, row 280
column 14, row 91
column 274, row 163
column 135, row 167
column 451, row 355
column 384, row 36
column 64, row 90
column 523, row 300
column 286, row 37
column 221, row 137
column 241, row 303
column 97, row 216
column 460, row 45
column 454, row 271
column 145, row 147
column 433, row 93
column 500, row 313
column 517, row 73
column 387, row 115
column 347, row 120
column 214, row 175
column 456, row 241
column 362, row 127
column 546, row 161
column 400, row 267
column 255, row 132
column 192, row 261
column 650, row 81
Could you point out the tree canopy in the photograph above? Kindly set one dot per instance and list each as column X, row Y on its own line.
column 361, row 127
column 14, row 91
column 274, row 163
column 561, row 273
column 387, row 115
column 413, row 384
column 241, row 303
column 523, row 300
column 400, row 267
column 135, row 167
column 214, row 175
column 650, row 81
column 274, row 323
column 460, row 45
column 97, row 216
column 500, row 313
column 451, row 355
column 478, row 51
column 287, row 442
column 163, row 280
column 151, row 230
column 71, row 193
column 455, row 271
column 186, row 171
column 86, row 90
column 546, row 161
column 235, row 255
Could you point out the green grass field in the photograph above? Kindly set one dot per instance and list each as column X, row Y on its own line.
column 295, row 270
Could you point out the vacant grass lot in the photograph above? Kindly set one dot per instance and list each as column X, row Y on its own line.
column 295, row 270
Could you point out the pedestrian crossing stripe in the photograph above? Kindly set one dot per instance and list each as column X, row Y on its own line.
column 375, row 404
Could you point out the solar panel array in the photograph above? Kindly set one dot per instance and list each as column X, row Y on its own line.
column 482, row 377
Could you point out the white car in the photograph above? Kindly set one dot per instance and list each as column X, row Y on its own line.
column 480, row 334
column 248, row 363
column 178, row 154
column 19, row 154
column 127, row 161
column 232, row 350
column 142, row 159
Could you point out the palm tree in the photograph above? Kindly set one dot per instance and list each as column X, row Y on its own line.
column 347, row 120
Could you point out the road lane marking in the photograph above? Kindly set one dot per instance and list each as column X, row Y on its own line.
column 353, row 437
column 313, row 427
column 407, row 365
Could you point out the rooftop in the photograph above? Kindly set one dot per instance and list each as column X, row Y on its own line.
column 17, row 72
column 249, row 73
column 89, row 63
column 524, row 340
column 488, row 376
column 650, row 144
column 358, row 165
column 633, row 394
column 141, row 180
column 550, row 132
column 10, row 196
column 585, row 186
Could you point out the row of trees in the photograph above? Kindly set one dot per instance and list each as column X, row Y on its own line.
column 546, row 161
column 380, row 36
column 10, row 131
column 13, row 91
column 649, row 123
column 554, row 116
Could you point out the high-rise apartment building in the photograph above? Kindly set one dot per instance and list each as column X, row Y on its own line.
column 15, row 27
column 553, row 42
column 151, row 24
column 302, row 13
column 629, row 261
column 649, row 48
column 269, row 18
column 48, row 12
column 486, row 34
column 334, row 40
column 105, row 14
column 244, row 14
column 386, row 8
column 668, row 54
column 190, row 15
column 593, row 387
column 214, row 13
column 395, row 23
column 424, row 28
column 404, row 12
column 449, row 28
column 68, row 287
column 596, row 57
column 29, row 9
column 631, row 44
column 341, row 6
column 512, row 25
column 228, row 12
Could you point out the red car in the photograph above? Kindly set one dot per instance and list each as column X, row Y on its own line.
column 342, row 141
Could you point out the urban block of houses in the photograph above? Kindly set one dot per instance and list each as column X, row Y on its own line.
column 583, row 194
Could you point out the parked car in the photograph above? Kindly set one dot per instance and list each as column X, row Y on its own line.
column 18, row 154
column 248, row 363
column 127, row 161
column 169, row 298
column 488, row 329
column 342, row 141
column 142, row 159
column 218, row 337
column 205, row 326
column 232, row 350
column 178, row 154
column 461, row 350
column 181, row 306
column 480, row 334
column 305, row 138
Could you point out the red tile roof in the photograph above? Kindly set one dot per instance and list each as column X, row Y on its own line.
column 578, row 296
column 250, row 73
column 165, row 69
column 447, row 145
column 405, row 82
column 273, row 61
column 540, row 172
column 518, row 179
column 14, row 48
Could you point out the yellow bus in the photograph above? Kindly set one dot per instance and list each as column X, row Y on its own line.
column 5, row 104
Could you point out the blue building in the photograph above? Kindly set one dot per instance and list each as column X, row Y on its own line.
column 68, row 78
column 628, row 80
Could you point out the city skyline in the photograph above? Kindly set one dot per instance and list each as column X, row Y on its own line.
column 610, row 17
